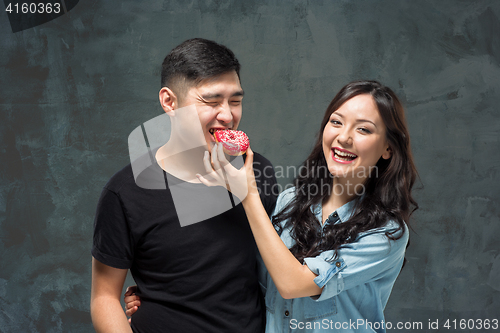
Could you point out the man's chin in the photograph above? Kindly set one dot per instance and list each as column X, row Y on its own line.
column 210, row 145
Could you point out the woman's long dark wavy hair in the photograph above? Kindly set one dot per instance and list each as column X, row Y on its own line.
column 386, row 197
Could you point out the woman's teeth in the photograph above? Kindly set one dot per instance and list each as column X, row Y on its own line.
column 344, row 156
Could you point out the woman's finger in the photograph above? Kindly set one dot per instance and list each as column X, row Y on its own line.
column 205, row 181
column 252, row 185
column 130, row 290
column 221, row 156
column 217, row 152
column 212, row 177
column 131, row 311
column 206, row 163
column 215, row 159
column 249, row 159
column 132, row 298
column 130, row 305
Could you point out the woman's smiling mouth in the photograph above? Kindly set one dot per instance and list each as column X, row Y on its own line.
column 343, row 156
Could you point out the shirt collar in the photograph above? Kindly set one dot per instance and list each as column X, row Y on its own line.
column 342, row 213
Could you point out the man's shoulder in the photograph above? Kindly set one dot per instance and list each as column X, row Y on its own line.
column 123, row 177
column 143, row 174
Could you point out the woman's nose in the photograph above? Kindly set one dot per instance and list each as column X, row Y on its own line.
column 345, row 137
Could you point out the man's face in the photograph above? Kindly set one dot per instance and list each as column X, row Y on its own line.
column 218, row 103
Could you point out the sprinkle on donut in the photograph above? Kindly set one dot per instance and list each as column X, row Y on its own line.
column 235, row 143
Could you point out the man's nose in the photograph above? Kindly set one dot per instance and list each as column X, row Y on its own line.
column 225, row 114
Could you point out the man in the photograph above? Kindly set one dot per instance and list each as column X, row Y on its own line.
column 195, row 278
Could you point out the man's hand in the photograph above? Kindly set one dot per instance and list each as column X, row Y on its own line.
column 132, row 301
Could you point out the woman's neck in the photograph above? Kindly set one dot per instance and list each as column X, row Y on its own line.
column 343, row 190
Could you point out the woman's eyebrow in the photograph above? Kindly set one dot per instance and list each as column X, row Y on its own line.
column 365, row 121
column 338, row 113
column 357, row 120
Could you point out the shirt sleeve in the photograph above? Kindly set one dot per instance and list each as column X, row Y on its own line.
column 112, row 244
column 371, row 257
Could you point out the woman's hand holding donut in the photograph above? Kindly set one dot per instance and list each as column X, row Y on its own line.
column 241, row 182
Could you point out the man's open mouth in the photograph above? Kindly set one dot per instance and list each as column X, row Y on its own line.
column 215, row 129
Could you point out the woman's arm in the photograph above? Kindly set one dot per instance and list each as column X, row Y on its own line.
column 292, row 279
column 105, row 308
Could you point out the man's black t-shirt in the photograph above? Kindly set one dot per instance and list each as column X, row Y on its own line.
column 197, row 278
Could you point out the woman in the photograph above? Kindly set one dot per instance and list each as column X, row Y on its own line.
column 342, row 230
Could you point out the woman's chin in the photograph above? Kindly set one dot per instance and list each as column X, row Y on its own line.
column 340, row 171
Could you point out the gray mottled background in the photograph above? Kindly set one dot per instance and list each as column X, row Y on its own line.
column 73, row 89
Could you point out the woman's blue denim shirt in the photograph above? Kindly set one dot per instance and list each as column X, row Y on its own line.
column 356, row 285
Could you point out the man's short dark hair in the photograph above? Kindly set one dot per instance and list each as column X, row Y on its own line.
column 193, row 61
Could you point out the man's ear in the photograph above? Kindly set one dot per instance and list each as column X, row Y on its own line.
column 168, row 100
column 387, row 153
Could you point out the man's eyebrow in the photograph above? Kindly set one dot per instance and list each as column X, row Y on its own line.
column 214, row 96
column 211, row 96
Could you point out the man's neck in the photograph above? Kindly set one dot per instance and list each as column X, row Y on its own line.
column 183, row 164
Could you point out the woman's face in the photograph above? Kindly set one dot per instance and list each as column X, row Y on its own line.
column 354, row 139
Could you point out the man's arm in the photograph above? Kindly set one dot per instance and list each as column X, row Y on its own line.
column 105, row 308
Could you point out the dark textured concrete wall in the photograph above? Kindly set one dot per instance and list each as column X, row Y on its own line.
column 74, row 88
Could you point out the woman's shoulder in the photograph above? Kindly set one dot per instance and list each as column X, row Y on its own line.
column 391, row 230
column 285, row 197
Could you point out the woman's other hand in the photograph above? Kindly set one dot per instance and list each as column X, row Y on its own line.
column 132, row 301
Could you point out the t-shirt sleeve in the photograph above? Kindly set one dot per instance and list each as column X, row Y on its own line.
column 261, row 273
column 371, row 257
column 112, row 244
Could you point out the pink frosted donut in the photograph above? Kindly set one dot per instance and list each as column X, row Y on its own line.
column 235, row 143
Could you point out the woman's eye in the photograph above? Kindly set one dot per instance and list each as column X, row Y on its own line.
column 365, row 130
column 335, row 122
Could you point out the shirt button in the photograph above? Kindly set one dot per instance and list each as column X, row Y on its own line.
column 287, row 313
column 338, row 264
